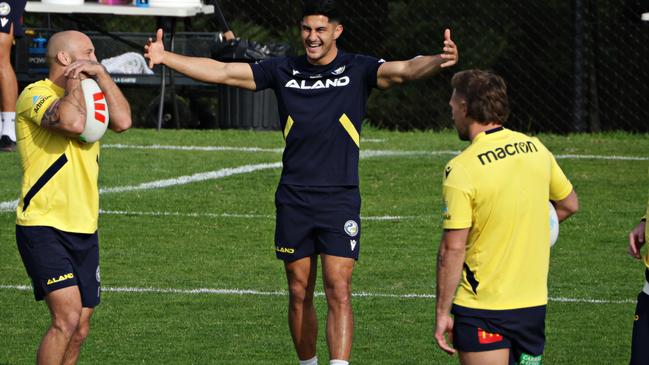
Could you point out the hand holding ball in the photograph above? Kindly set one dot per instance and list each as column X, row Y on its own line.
column 96, row 111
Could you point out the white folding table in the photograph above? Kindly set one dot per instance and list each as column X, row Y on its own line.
column 96, row 8
column 129, row 10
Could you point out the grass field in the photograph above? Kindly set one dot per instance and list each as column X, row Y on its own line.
column 189, row 273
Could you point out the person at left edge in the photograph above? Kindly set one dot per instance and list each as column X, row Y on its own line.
column 57, row 214
column 11, row 13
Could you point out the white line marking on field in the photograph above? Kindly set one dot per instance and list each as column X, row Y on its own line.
column 193, row 148
column 8, row 206
column 364, row 153
column 284, row 293
column 237, row 215
column 179, row 214
column 391, row 153
column 201, row 176
column 598, row 157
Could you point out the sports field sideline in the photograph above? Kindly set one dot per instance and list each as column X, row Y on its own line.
column 189, row 275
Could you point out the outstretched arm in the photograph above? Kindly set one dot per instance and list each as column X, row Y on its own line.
column 420, row 67
column 236, row 74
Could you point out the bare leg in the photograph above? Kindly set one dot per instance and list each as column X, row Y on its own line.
column 337, row 275
column 65, row 309
column 8, row 83
column 495, row 357
column 302, row 321
column 79, row 336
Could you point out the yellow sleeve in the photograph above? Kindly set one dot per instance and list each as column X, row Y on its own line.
column 33, row 104
column 458, row 197
column 560, row 186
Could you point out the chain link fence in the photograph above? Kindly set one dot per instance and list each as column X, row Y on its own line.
column 571, row 65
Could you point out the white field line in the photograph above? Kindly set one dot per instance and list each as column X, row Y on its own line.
column 202, row 176
column 364, row 153
column 600, row 157
column 284, row 293
column 9, row 206
column 192, row 148
column 247, row 216
column 157, row 184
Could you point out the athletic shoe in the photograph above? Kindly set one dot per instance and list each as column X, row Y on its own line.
column 7, row 145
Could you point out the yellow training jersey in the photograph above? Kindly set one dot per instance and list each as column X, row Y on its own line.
column 59, row 184
column 499, row 187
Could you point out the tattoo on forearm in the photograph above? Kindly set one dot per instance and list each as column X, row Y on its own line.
column 51, row 115
column 75, row 98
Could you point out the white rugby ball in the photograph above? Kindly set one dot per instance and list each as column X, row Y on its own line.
column 554, row 225
column 96, row 111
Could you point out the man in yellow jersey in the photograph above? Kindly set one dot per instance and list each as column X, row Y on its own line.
column 496, row 240
column 640, row 339
column 56, row 224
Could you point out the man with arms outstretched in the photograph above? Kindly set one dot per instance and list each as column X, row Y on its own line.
column 56, row 223
column 322, row 99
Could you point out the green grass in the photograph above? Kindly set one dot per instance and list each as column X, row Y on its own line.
column 180, row 237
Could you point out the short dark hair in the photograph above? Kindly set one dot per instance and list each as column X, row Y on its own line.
column 485, row 94
column 327, row 8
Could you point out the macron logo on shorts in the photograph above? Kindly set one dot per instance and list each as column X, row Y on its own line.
column 485, row 337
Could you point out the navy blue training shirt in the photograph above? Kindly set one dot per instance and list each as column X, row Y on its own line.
column 321, row 108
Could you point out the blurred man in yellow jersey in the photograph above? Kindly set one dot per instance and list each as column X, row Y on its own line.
column 640, row 339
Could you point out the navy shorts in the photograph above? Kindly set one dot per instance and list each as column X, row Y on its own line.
column 11, row 12
column 640, row 337
column 55, row 260
column 314, row 220
column 520, row 330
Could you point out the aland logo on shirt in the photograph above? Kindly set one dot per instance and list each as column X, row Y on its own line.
column 318, row 84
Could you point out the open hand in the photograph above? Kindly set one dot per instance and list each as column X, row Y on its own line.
column 450, row 54
column 443, row 327
column 154, row 50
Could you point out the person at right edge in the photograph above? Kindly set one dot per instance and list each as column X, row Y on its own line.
column 496, row 239
column 640, row 337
